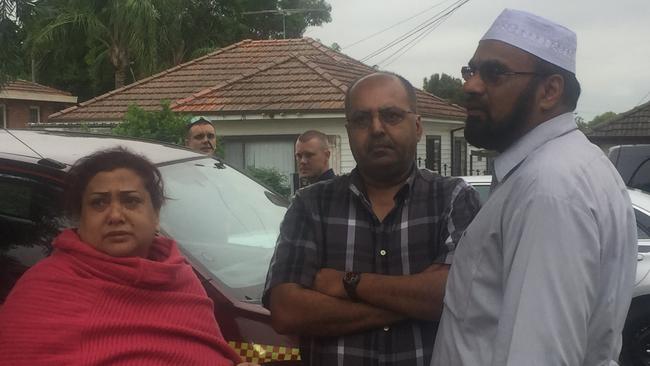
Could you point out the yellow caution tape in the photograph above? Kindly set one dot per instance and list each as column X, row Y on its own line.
column 258, row 353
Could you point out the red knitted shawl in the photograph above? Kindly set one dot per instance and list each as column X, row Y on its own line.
column 83, row 307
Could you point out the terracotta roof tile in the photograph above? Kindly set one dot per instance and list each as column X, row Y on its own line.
column 633, row 123
column 20, row 85
column 249, row 76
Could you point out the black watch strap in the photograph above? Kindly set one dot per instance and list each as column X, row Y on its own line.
column 350, row 282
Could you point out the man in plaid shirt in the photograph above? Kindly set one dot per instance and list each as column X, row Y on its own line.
column 361, row 262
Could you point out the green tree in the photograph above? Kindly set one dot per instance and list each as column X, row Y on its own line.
column 72, row 65
column 270, row 25
column 91, row 46
column 602, row 118
column 121, row 31
column 272, row 178
column 580, row 122
column 162, row 125
column 445, row 86
column 190, row 29
column 13, row 15
column 10, row 59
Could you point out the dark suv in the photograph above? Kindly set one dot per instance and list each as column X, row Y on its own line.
column 226, row 224
column 633, row 163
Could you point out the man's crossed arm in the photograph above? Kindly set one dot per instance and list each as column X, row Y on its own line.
column 326, row 309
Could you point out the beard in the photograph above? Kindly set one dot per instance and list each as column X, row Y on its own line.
column 390, row 171
column 499, row 135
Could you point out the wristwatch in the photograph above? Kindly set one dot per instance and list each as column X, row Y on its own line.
column 350, row 282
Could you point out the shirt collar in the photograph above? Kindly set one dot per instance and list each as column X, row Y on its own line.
column 358, row 188
column 329, row 174
column 519, row 151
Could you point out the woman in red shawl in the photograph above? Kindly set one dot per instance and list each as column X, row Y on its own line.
column 112, row 292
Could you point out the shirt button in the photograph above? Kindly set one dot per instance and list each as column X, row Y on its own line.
column 386, row 329
column 382, row 252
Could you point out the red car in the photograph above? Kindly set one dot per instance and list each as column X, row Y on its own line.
column 226, row 224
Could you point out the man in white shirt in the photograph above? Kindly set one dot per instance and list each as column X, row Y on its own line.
column 544, row 274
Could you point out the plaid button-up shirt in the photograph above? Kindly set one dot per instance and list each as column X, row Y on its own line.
column 332, row 225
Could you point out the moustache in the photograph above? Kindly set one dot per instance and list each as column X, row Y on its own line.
column 472, row 102
column 381, row 143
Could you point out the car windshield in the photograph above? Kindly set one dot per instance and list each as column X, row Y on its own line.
column 224, row 220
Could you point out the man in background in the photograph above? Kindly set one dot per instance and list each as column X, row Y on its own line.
column 201, row 136
column 313, row 158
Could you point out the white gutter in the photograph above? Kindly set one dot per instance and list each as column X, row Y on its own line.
column 73, row 124
column 450, row 122
column 41, row 97
column 271, row 115
column 309, row 115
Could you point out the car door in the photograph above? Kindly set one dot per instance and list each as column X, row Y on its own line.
column 30, row 217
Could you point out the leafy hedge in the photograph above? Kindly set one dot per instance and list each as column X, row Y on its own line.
column 272, row 178
column 161, row 125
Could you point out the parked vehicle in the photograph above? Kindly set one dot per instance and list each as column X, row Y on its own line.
column 226, row 224
column 633, row 163
column 636, row 335
column 481, row 184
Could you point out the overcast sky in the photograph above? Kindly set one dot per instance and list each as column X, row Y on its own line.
column 613, row 59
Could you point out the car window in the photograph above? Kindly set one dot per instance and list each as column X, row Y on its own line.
column 642, row 224
column 224, row 220
column 483, row 191
column 641, row 177
column 30, row 217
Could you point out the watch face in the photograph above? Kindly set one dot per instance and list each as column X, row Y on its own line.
column 351, row 277
column 350, row 282
column 348, row 276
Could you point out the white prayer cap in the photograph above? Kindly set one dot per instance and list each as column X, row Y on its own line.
column 541, row 37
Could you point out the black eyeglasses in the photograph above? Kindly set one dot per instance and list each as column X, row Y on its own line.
column 390, row 116
column 491, row 72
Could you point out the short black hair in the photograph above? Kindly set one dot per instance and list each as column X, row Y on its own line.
column 106, row 161
column 408, row 87
column 572, row 89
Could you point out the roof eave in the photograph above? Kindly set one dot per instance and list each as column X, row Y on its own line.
column 38, row 97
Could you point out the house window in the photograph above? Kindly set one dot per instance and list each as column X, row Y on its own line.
column 481, row 162
column 260, row 152
column 459, row 157
column 34, row 114
column 432, row 161
column 3, row 116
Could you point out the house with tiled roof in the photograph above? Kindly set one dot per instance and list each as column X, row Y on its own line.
column 23, row 102
column 261, row 95
column 631, row 127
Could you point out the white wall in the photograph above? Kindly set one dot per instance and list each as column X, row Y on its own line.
column 335, row 126
column 292, row 127
column 436, row 129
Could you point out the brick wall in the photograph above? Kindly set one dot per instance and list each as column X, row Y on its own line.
column 17, row 111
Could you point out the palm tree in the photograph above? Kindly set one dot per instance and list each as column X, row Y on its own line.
column 122, row 31
column 15, row 9
column 13, row 13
